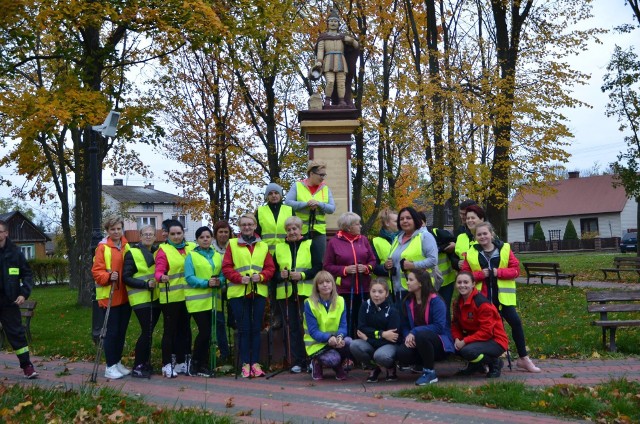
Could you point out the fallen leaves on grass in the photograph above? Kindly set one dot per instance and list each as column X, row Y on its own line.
column 372, row 414
column 246, row 413
column 331, row 416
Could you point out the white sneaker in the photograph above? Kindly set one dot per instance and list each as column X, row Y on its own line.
column 168, row 372
column 181, row 368
column 112, row 372
column 123, row 370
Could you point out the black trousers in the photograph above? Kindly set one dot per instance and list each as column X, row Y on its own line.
column 12, row 323
column 176, row 338
column 147, row 318
column 428, row 350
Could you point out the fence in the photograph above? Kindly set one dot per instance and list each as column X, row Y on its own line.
column 596, row 244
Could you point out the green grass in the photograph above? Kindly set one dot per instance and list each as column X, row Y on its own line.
column 615, row 401
column 21, row 404
column 586, row 265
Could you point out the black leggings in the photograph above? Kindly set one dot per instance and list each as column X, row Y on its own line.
column 147, row 318
column 510, row 315
column 428, row 350
column 176, row 338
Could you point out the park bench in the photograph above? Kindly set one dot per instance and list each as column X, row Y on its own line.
column 620, row 301
column 26, row 310
column 623, row 264
column 546, row 269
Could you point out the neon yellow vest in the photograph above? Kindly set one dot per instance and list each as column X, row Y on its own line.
column 412, row 253
column 506, row 288
column 102, row 292
column 463, row 244
column 383, row 250
column 304, row 195
column 177, row 283
column 328, row 322
column 141, row 297
column 201, row 299
column 303, row 264
column 444, row 265
column 247, row 263
column 273, row 232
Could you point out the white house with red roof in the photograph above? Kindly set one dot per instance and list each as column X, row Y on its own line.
column 592, row 203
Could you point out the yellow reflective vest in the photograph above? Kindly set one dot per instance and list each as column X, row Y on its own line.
column 247, row 263
column 304, row 195
column 303, row 264
column 383, row 250
column 174, row 291
column 412, row 253
column 444, row 265
column 463, row 244
column 273, row 232
column 102, row 292
column 328, row 322
column 202, row 298
column 139, row 298
column 506, row 288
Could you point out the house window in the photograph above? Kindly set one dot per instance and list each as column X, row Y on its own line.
column 589, row 225
column 27, row 251
column 146, row 220
column 147, row 207
column 182, row 219
column 528, row 229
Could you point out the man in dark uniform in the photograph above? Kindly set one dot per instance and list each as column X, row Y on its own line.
column 15, row 287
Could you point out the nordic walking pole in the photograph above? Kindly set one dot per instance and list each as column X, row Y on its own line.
column 287, row 332
column 238, row 324
column 213, row 347
column 150, row 323
column 103, row 333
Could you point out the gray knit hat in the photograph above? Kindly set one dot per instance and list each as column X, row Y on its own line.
column 272, row 187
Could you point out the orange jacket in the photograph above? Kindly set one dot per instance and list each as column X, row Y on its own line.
column 102, row 276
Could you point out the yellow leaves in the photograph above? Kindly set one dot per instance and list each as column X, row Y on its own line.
column 331, row 415
column 245, row 413
column 229, row 403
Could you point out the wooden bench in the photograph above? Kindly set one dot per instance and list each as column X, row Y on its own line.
column 546, row 269
column 623, row 264
column 606, row 301
column 27, row 311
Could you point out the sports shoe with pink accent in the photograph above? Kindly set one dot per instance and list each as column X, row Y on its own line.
column 246, row 371
column 256, row 370
column 527, row 364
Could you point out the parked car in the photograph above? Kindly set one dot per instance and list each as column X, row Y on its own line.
column 629, row 242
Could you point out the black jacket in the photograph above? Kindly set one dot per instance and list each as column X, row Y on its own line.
column 17, row 278
column 373, row 320
column 316, row 261
column 129, row 267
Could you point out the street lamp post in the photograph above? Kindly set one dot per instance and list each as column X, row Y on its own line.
column 107, row 129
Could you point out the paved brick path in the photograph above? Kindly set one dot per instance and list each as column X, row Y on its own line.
column 296, row 398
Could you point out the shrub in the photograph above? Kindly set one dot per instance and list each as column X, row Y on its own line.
column 49, row 271
column 538, row 234
column 570, row 232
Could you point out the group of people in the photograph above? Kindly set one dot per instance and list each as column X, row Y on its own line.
column 384, row 304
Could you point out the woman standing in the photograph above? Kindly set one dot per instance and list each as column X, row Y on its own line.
column 248, row 267
column 477, row 329
column 382, row 243
column 350, row 259
column 176, row 338
column 222, row 232
column 107, row 273
column 474, row 215
column 378, row 326
column 427, row 337
column 142, row 289
column 325, row 327
column 412, row 249
column 494, row 268
column 202, row 271
column 297, row 262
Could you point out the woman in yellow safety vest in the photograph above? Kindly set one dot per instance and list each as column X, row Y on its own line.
column 142, row 288
column 202, row 270
column 474, row 215
column 325, row 328
column 494, row 268
column 112, row 294
column 382, row 243
column 176, row 338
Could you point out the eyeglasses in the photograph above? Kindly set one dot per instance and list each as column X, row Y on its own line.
column 320, row 175
column 148, row 235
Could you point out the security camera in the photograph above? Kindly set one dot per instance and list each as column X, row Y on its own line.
column 108, row 129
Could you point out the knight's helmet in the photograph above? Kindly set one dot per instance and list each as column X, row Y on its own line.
column 333, row 14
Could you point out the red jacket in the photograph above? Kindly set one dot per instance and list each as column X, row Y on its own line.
column 477, row 320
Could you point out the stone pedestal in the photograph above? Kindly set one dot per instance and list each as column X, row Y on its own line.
column 329, row 136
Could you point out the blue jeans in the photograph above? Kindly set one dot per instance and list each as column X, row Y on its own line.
column 248, row 313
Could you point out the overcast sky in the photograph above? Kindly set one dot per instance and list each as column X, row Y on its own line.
column 597, row 139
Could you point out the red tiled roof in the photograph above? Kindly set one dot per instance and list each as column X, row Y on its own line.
column 573, row 196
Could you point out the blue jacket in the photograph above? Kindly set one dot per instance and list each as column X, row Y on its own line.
column 436, row 322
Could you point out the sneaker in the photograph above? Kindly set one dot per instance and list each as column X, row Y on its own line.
column 495, row 368
column 29, row 372
column 428, row 377
column 296, row 369
column 347, row 364
column 203, row 371
column 181, row 368
column 193, row 368
column 341, row 374
column 373, row 376
column 316, row 370
column 169, row 371
column 246, row 371
column 112, row 372
column 123, row 370
column 472, row 368
column 256, row 370
column 527, row 364
column 391, row 375
column 141, row 371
